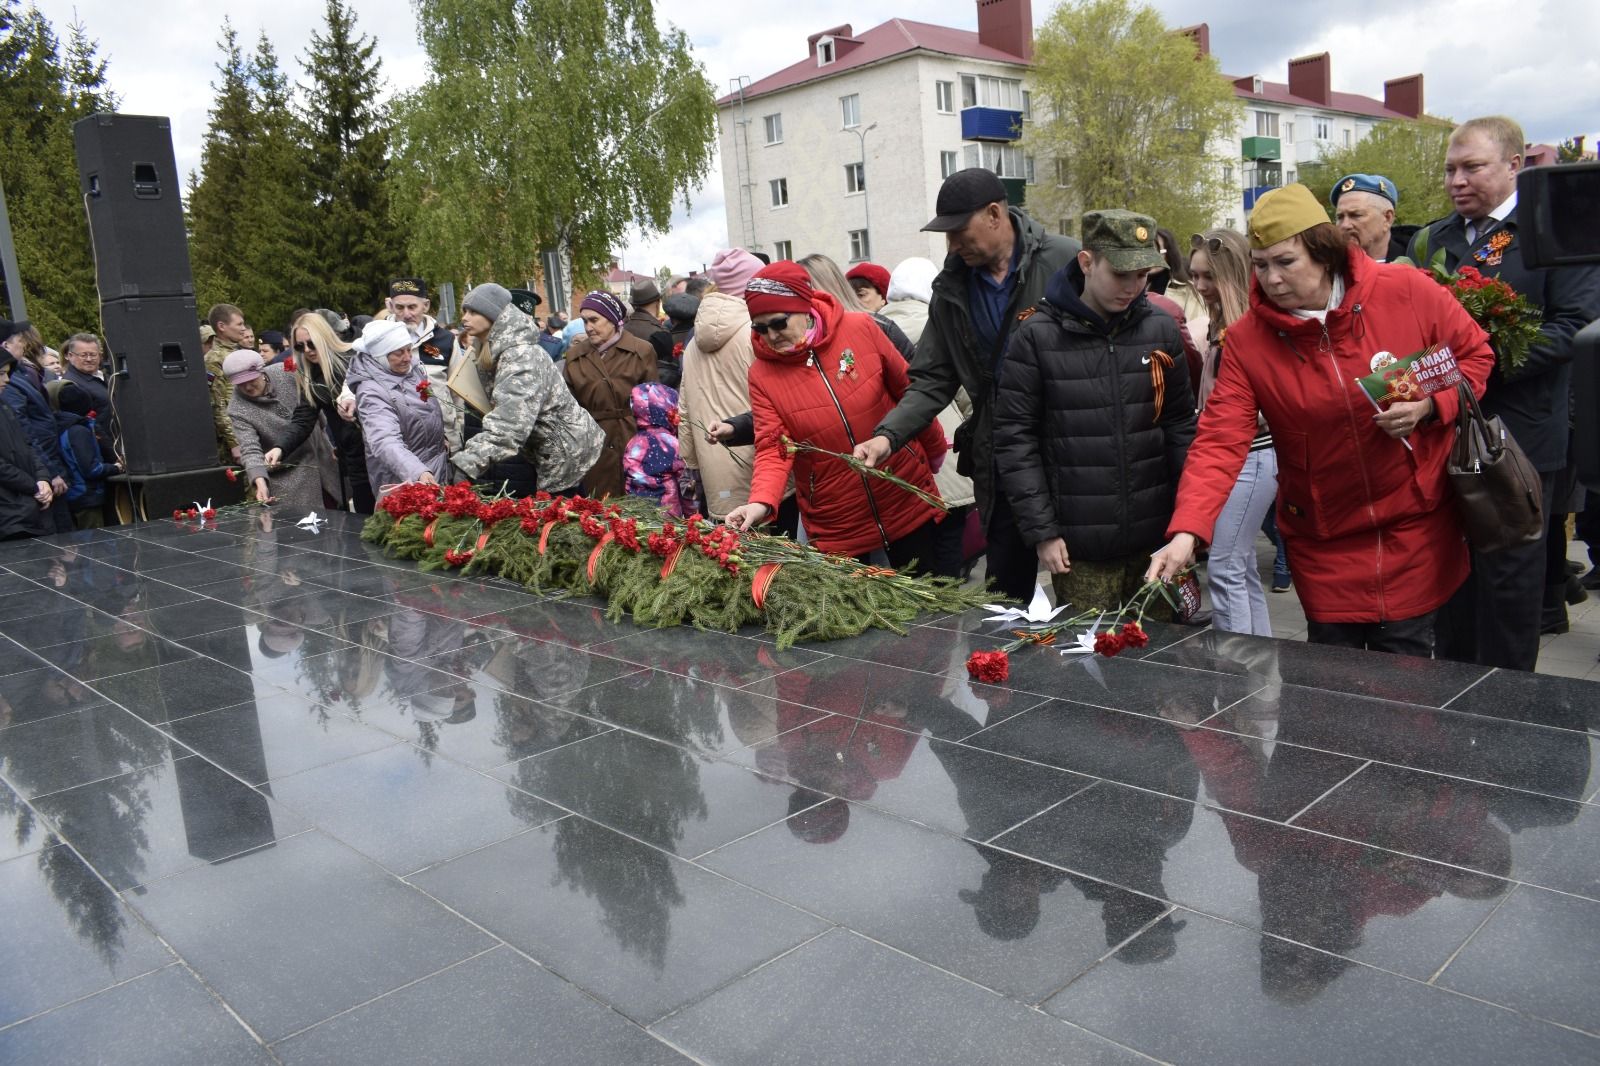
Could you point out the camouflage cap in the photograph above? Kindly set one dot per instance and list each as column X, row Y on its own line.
column 1125, row 239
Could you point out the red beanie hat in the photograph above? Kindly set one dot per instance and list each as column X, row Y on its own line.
column 873, row 275
column 782, row 286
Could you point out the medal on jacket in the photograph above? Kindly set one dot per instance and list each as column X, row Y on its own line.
column 1491, row 254
column 847, row 365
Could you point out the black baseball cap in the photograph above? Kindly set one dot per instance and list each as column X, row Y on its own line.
column 9, row 329
column 963, row 193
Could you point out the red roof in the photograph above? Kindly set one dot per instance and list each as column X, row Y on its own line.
column 1277, row 92
column 892, row 38
column 618, row 276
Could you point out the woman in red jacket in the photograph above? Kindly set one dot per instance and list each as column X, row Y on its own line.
column 824, row 377
column 1374, row 541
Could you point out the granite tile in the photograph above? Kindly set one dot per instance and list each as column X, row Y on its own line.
column 718, row 657
column 479, row 727
column 189, row 536
column 70, row 749
column 661, row 794
column 327, row 609
column 851, row 688
column 255, row 589
column 886, row 763
column 121, row 653
column 295, row 933
column 198, row 571
column 21, row 831
column 192, row 619
column 1374, row 906
column 139, row 555
column 1537, row 699
column 274, row 736
column 879, row 1007
column 39, row 694
column 274, row 651
column 639, row 929
column 1008, row 923
column 1266, row 1000
column 463, row 599
column 161, row 819
column 166, row 693
column 406, row 809
column 64, row 934
column 1540, row 955
column 34, row 602
column 568, row 622
column 500, row 1005
column 163, row 1019
column 379, row 582
column 14, row 658
column 1403, row 679
column 75, row 621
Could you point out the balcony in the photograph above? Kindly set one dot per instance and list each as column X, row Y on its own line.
column 1260, row 148
column 990, row 124
column 1254, row 193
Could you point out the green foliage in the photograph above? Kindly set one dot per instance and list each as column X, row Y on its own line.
column 216, row 199
column 1128, row 111
column 1570, row 150
column 41, row 95
column 354, row 245
column 1410, row 154
column 545, row 124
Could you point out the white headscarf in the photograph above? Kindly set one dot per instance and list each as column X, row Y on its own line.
column 913, row 280
column 380, row 337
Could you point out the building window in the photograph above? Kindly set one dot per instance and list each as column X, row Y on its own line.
column 774, row 129
column 1347, row 138
column 824, row 52
column 1027, row 106
column 949, row 163
column 1288, row 133
column 1064, row 227
column 780, row 192
column 984, row 91
column 944, row 97
column 1227, row 173
column 1324, row 129
column 1230, row 223
column 1292, row 178
column 850, row 108
column 1061, row 173
column 1028, row 168
column 860, row 247
column 855, row 177
column 1266, row 123
column 783, row 249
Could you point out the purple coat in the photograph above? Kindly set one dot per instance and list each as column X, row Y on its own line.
column 404, row 433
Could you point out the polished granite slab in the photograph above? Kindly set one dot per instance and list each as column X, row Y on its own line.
column 267, row 795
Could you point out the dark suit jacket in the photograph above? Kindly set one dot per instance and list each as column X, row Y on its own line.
column 1535, row 401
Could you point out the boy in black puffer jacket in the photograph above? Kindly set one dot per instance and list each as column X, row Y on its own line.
column 1094, row 415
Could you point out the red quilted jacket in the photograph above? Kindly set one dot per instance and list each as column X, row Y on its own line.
column 809, row 397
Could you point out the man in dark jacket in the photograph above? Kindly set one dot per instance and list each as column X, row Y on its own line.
column 1494, row 619
column 24, row 394
column 998, row 264
column 25, row 488
column 82, row 354
column 1094, row 416
column 408, row 304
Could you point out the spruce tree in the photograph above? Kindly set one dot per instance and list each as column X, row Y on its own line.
column 354, row 243
column 217, row 199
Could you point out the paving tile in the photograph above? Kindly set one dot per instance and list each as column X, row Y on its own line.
column 500, row 1005
column 35, row 695
column 880, row 1007
column 274, row 736
column 641, row 930
column 70, row 749
column 292, row 934
column 120, row 653
column 717, row 657
column 163, row 694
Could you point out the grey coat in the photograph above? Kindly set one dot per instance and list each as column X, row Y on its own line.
column 534, row 411
column 266, row 423
column 404, row 433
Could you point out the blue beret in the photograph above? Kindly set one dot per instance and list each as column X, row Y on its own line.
column 1376, row 184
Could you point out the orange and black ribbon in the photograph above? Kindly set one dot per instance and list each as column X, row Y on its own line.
column 1160, row 363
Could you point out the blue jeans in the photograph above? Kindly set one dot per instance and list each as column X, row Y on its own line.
column 1238, row 601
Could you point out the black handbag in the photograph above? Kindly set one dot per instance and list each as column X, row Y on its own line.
column 1497, row 489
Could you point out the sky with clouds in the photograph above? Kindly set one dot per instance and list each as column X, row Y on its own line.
column 1535, row 60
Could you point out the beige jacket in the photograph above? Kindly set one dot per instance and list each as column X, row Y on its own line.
column 715, row 385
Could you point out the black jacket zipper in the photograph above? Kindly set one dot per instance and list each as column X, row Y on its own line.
column 866, row 486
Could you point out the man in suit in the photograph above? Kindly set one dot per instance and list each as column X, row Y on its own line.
column 1494, row 619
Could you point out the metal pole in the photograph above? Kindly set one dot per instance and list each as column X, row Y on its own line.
column 8, row 261
column 866, row 190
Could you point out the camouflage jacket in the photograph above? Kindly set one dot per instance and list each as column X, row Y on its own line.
column 534, row 412
column 221, row 394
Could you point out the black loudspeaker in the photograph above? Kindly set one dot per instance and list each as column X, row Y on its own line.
column 158, row 385
column 133, row 194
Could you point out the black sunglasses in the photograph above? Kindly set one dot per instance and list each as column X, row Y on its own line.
column 1212, row 245
column 302, row 347
column 772, row 325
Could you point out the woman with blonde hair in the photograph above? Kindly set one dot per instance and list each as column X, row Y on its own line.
column 1219, row 270
column 826, row 275
column 321, row 361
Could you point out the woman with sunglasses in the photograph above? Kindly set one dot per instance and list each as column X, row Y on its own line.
column 601, row 368
column 1376, row 545
column 825, row 377
column 321, row 361
column 1219, row 270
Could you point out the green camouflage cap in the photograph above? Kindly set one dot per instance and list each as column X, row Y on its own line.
column 1125, row 239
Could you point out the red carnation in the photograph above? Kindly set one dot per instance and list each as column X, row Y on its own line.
column 677, row 350
column 231, row 474
column 209, row 513
column 1134, row 636
column 990, row 667
column 177, row 516
column 1108, row 644
column 289, row 365
column 425, row 390
column 455, row 558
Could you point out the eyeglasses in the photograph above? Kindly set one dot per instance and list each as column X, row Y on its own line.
column 302, row 347
column 1199, row 241
column 772, row 325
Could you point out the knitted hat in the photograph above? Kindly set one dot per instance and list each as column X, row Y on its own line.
column 487, row 300
column 72, row 399
column 783, row 286
column 732, row 270
column 606, row 305
column 379, row 338
column 1284, row 213
column 872, row 274
column 241, row 366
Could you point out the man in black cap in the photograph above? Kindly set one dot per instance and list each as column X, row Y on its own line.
column 999, row 262
column 408, row 305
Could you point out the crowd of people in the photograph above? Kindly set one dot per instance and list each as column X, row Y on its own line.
column 1101, row 410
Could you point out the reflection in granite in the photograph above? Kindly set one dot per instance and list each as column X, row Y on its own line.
column 383, row 815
